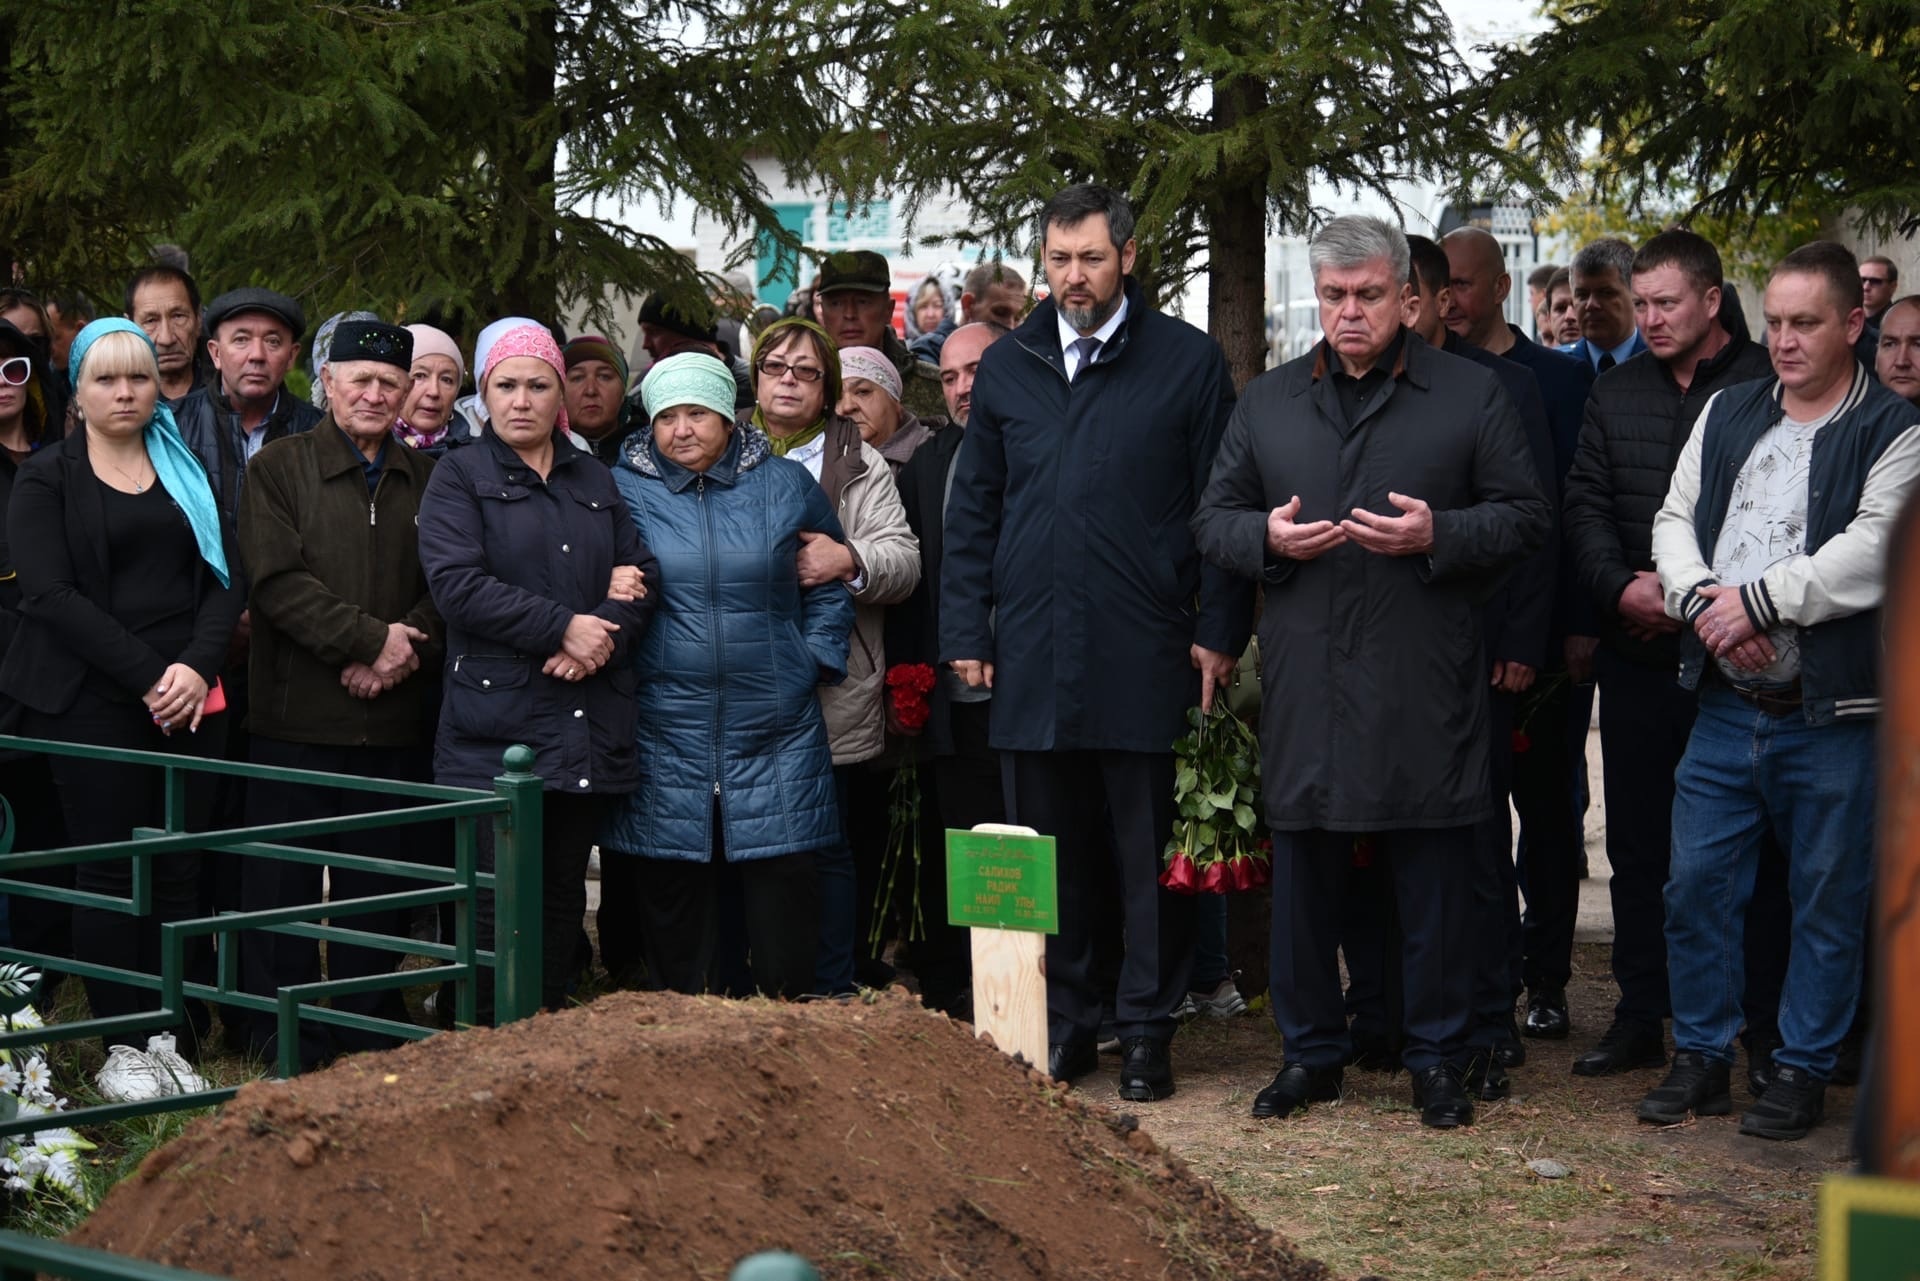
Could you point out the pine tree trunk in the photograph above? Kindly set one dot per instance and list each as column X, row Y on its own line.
column 529, row 177
column 1237, row 242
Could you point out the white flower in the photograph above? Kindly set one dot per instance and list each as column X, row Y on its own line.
column 33, row 1163
column 16, row 1184
column 36, row 1080
column 10, row 1078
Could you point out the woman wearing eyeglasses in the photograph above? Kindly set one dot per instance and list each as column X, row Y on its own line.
column 798, row 377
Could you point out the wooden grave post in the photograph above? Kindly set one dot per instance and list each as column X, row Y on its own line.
column 1001, row 885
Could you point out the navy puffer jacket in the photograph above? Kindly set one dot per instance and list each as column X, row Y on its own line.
column 510, row 559
column 728, row 668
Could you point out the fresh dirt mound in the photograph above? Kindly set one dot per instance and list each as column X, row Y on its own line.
column 665, row 1136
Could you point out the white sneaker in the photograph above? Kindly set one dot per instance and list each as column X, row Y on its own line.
column 1224, row 1002
column 131, row 1077
column 178, row 1071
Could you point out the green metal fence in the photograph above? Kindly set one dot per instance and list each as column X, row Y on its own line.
column 514, row 809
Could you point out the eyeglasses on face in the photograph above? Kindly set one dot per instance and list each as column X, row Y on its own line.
column 778, row 369
column 15, row 370
column 1873, row 280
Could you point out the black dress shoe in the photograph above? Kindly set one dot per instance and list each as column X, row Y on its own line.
column 1510, row 1052
column 1071, row 1060
column 1760, row 1047
column 1146, row 1070
column 1295, row 1086
column 1623, row 1047
column 1547, row 1015
column 1442, row 1100
column 1485, row 1077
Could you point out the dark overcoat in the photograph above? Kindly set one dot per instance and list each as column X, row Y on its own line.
column 1374, row 706
column 1069, row 562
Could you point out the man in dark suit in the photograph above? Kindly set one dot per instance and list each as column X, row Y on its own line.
column 1072, row 588
column 1603, row 297
column 1545, row 776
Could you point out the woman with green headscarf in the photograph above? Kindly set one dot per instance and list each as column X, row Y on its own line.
column 797, row 377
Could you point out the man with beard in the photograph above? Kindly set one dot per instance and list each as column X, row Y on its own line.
column 1071, row 587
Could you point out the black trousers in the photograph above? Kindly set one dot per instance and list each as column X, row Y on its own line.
column 35, row 925
column 963, row 790
column 1543, row 795
column 1431, row 873
column 623, row 950
column 1645, row 721
column 569, row 826
column 269, row 962
column 101, row 801
column 678, row 904
column 1498, row 936
column 1074, row 797
column 1370, row 945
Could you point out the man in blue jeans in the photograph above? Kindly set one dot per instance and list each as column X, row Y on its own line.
column 1771, row 548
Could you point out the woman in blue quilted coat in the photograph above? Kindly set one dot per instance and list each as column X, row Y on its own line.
column 735, row 771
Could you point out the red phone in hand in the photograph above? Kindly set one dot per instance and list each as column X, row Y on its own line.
column 216, row 699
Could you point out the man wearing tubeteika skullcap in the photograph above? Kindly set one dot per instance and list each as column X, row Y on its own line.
column 346, row 647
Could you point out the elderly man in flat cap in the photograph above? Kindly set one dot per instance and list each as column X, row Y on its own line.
column 253, row 338
column 346, row 647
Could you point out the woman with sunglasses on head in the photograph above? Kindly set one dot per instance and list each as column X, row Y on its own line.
column 26, row 425
column 128, row 595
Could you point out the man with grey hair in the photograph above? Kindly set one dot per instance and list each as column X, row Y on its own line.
column 1380, row 490
column 1603, row 297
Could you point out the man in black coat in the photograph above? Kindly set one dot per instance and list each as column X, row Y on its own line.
column 1549, row 778
column 1072, row 588
column 1636, row 423
column 1381, row 490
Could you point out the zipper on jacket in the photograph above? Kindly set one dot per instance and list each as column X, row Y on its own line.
column 719, row 697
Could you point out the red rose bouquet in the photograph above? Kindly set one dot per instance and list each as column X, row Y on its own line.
column 1218, row 844
column 907, row 688
column 908, row 685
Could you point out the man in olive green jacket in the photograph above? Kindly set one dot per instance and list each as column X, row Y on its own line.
column 345, row 661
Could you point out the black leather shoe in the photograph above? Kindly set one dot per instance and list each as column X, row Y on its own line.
column 1485, row 1077
column 1623, row 1047
column 1146, row 1070
column 1510, row 1052
column 1071, row 1060
column 1760, row 1047
column 1295, row 1086
column 1547, row 1015
column 1793, row 1105
column 1442, row 1100
column 1695, row 1086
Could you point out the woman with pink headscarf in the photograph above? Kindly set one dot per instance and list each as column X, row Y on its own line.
column 539, row 570
column 428, row 421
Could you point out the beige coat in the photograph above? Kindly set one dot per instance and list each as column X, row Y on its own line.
column 860, row 485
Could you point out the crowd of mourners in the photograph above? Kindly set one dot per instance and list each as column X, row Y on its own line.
column 1413, row 555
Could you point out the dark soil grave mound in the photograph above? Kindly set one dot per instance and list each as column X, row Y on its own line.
column 666, row 1137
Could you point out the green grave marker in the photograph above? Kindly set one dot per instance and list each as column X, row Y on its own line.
column 1869, row 1229
column 1001, row 881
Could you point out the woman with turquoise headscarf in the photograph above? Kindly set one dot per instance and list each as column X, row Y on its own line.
column 128, row 596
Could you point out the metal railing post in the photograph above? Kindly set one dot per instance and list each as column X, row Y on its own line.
column 517, row 860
